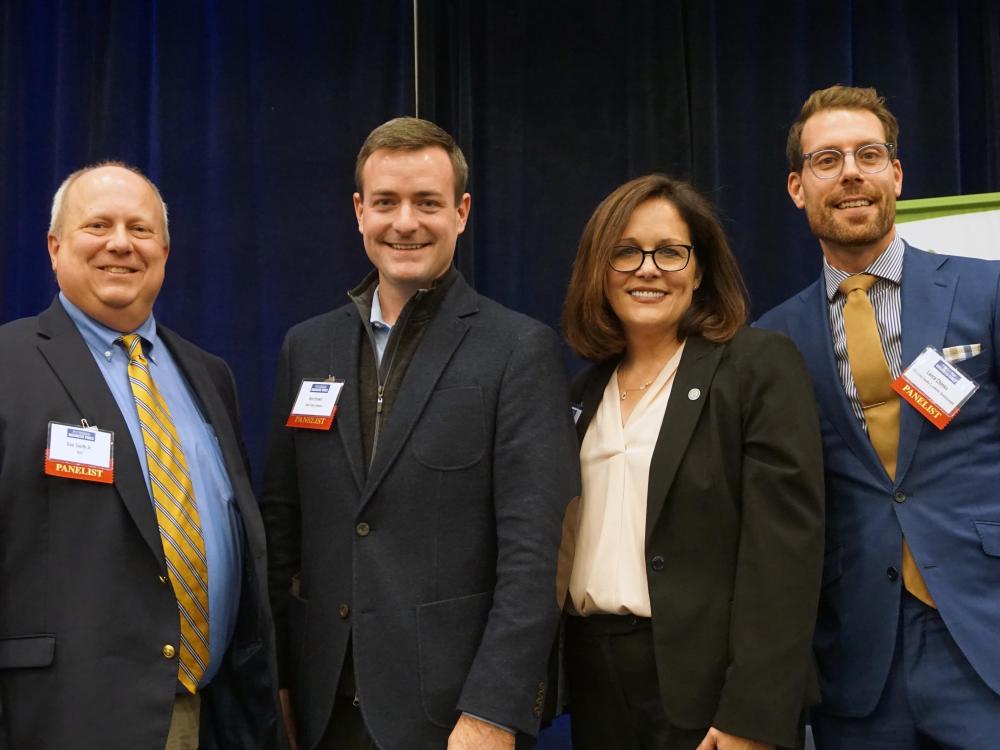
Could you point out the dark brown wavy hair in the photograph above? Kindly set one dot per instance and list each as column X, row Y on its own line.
column 719, row 305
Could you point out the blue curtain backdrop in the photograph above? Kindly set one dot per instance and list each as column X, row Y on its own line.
column 249, row 114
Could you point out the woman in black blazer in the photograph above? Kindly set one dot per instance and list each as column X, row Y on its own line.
column 699, row 545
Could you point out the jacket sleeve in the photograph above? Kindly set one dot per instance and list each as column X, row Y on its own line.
column 780, row 555
column 535, row 474
column 280, row 510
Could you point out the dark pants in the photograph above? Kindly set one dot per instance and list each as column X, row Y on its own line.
column 614, row 690
column 932, row 697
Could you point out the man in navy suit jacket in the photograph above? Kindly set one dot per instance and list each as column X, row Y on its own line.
column 413, row 544
column 898, row 670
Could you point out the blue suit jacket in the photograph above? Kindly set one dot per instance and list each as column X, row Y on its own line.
column 945, row 498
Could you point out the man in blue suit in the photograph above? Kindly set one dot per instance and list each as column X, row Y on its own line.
column 907, row 636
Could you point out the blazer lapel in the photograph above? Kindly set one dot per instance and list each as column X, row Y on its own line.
column 62, row 346
column 695, row 372
column 927, row 296
column 444, row 333
column 218, row 417
column 344, row 343
column 812, row 335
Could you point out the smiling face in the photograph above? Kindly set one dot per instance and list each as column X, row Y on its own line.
column 108, row 252
column 852, row 215
column 650, row 302
column 408, row 217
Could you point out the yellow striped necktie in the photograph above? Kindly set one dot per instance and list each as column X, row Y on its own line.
column 176, row 515
column 880, row 403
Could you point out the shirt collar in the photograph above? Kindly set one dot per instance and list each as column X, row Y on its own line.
column 376, row 318
column 888, row 265
column 98, row 336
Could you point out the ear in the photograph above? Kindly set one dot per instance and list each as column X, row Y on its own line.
column 463, row 208
column 359, row 207
column 53, row 243
column 795, row 191
column 897, row 169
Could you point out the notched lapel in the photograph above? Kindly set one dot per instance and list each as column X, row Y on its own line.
column 696, row 371
column 811, row 333
column 928, row 294
column 64, row 349
column 344, row 341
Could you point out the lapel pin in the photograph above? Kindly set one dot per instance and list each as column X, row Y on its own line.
column 694, row 394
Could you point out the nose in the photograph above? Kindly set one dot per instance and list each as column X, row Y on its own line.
column 119, row 240
column 405, row 221
column 850, row 169
column 647, row 268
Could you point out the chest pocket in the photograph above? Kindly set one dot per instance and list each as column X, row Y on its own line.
column 451, row 433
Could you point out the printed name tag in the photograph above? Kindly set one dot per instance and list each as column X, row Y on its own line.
column 934, row 387
column 77, row 452
column 316, row 405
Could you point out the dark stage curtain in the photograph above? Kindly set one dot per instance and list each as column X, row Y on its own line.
column 248, row 115
column 559, row 102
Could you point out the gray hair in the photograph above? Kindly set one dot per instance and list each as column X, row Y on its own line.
column 59, row 199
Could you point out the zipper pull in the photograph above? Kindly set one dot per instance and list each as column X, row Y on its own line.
column 378, row 407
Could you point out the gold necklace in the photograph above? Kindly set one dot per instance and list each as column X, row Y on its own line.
column 640, row 388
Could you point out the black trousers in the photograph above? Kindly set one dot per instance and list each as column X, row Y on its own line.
column 614, row 690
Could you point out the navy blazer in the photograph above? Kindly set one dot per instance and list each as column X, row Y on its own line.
column 734, row 535
column 84, row 611
column 944, row 498
column 447, row 591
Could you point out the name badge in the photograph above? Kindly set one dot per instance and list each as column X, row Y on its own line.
column 316, row 404
column 935, row 387
column 80, row 452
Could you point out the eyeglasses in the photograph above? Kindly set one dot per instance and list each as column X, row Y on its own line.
column 870, row 159
column 627, row 258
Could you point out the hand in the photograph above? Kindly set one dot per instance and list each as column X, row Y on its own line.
column 291, row 729
column 716, row 740
column 472, row 734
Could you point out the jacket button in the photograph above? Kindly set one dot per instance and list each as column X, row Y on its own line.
column 892, row 574
column 164, row 580
column 343, row 611
column 656, row 563
column 169, row 652
column 900, row 496
column 363, row 529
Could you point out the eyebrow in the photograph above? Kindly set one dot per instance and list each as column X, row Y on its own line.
column 661, row 241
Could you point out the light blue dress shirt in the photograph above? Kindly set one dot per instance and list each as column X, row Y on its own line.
column 220, row 521
column 380, row 329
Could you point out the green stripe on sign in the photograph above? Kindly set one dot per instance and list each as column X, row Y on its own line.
column 954, row 205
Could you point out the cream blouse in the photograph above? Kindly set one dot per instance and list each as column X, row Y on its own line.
column 609, row 566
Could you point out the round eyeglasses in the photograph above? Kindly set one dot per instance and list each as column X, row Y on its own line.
column 627, row 258
column 870, row 159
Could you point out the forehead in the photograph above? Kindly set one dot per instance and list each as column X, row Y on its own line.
column 837, row 128
column 109, row 188
column 657, row 216
column 409, row 170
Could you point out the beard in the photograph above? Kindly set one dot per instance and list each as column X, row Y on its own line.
column 827, row 225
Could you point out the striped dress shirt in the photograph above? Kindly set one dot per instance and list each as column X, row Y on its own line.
column 885, row 298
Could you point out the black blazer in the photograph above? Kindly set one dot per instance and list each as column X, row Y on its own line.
column 448, row 589
column 734, row 534
column 84, row 615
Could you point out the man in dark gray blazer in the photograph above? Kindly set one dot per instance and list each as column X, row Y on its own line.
column 413, row 541
column 94, row 652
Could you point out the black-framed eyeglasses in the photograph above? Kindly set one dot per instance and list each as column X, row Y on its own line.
column 871, row 158
column 628, row 258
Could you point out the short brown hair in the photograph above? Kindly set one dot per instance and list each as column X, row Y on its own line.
column 411, row 134
column 719, row 305
column 839, row 97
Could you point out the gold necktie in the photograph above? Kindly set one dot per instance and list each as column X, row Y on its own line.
column 879, row 402
column 176, row 515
